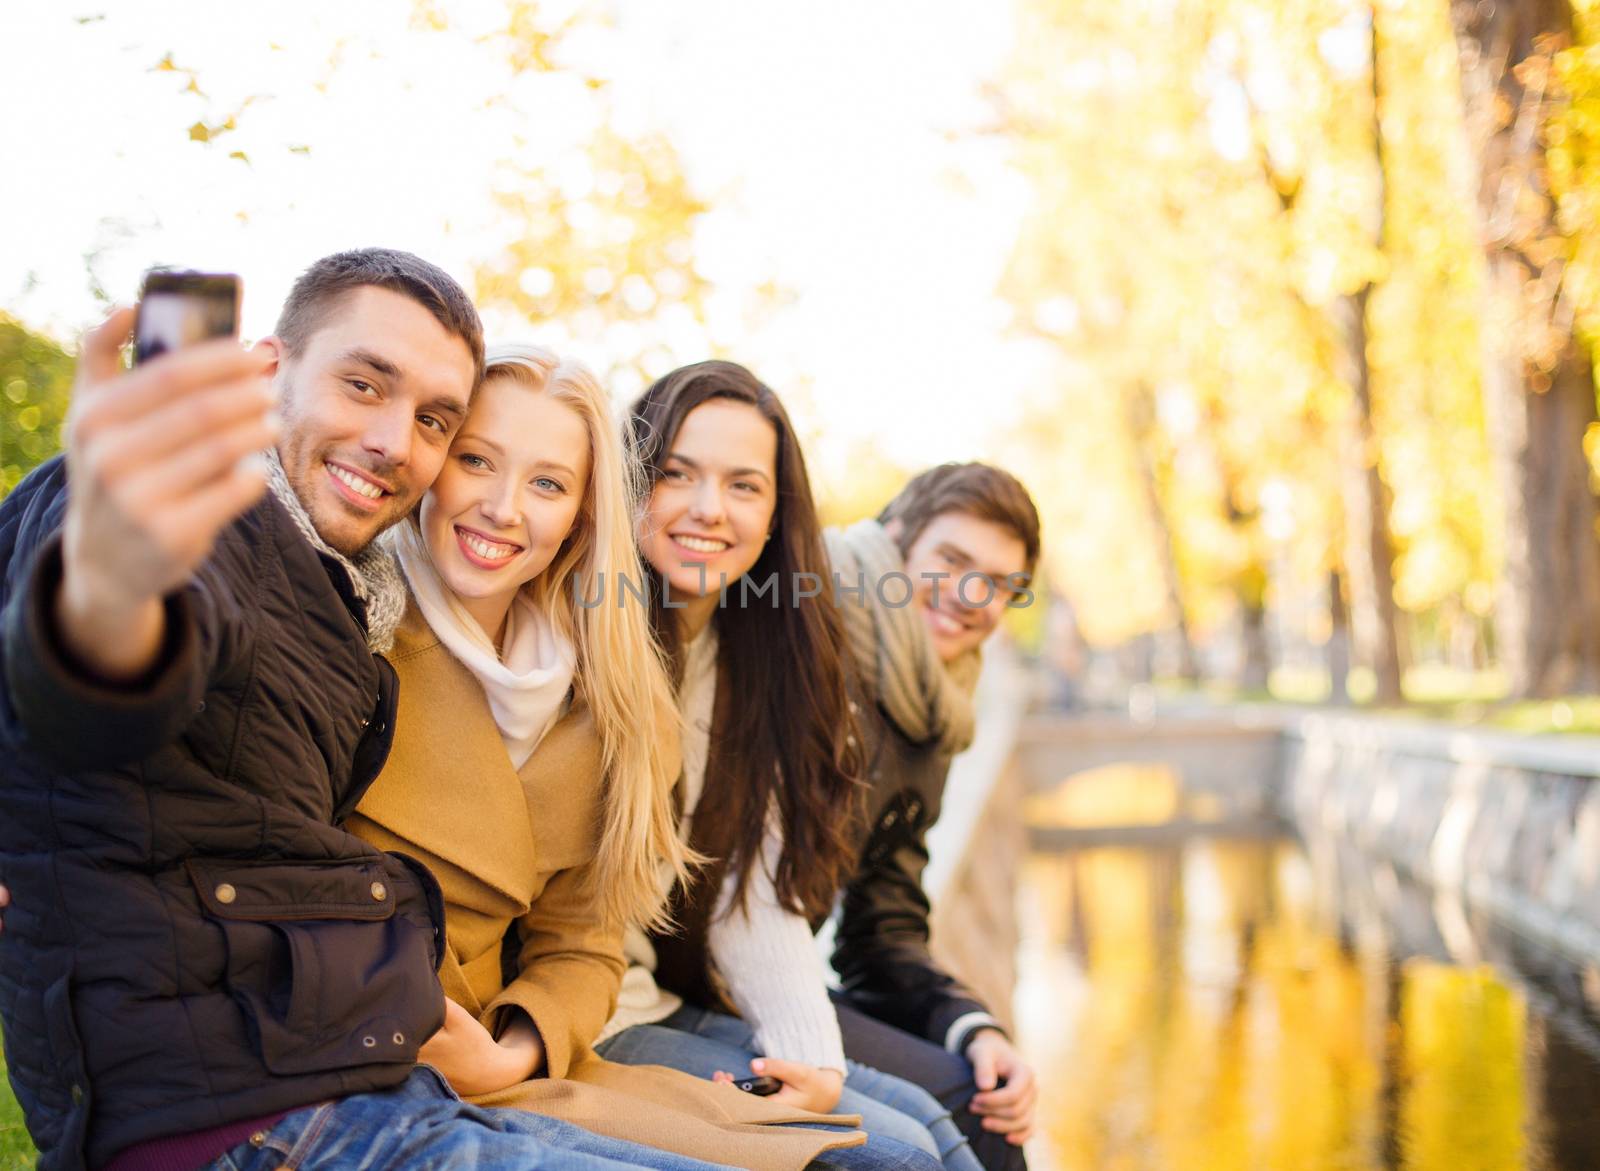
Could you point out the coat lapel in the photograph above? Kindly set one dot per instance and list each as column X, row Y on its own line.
column 449, row 787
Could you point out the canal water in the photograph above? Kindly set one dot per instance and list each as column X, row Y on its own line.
column 1237, row 999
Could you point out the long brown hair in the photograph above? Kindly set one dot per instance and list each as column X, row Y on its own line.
column 782, row 730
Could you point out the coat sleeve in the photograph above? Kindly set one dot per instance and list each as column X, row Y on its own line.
column 568, row 970
column 48, row 704
column 881, row 949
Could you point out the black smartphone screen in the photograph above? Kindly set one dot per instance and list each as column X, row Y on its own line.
column 177, row 309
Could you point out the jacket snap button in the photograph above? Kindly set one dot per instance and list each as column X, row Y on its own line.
column 379, row 891
column 77, row 1094
column 369, row 1042
column 364, row 723
column 225, row 892
column 258, row 1138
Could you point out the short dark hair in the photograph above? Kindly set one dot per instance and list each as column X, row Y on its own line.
column 385, row 268
column 975, row 489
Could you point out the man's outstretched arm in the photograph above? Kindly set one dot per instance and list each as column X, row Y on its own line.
column 155, row 469
column 154, row 457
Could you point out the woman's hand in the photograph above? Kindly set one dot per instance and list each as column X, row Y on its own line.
column 805, row 1086
column 1009, row 1109
column 473, row 1062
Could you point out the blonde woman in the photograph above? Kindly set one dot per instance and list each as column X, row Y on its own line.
column 536, row 743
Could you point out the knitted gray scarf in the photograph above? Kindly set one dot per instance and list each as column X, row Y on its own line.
column 374, row 575
column 930, row 701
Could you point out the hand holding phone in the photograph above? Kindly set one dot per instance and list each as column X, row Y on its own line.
column 791, row 1082
column 156, row 459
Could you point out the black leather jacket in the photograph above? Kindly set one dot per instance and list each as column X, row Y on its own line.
column 881, row 946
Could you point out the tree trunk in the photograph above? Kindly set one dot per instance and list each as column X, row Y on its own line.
column 1255, row 667
column 1547, row 614
column 1368, row 550
column 1140, row 423
column 1369, row 555
column 1338, row 641
column 1538, row 381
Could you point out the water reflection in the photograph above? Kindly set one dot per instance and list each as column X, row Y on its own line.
column 1215, row 1003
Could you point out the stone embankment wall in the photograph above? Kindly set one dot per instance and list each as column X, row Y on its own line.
column 1503, row 826
column 1510, row 824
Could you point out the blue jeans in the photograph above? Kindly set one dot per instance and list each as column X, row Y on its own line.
column 946, row 1076
column 421, row 1125
column 701, row 1042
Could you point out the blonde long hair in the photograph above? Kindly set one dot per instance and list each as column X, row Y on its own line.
column 621, row 672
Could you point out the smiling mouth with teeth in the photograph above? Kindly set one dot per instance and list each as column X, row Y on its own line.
column 701, row 544
column 360, row 485
column 944, row 622
column 486, row 549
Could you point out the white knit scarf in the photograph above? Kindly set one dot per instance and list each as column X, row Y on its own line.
column 929, row 700
column 527, row 681
column 373, row 573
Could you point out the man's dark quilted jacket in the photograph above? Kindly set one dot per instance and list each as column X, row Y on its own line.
column 192, row 942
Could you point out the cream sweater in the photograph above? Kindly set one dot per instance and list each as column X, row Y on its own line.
column 764, row 953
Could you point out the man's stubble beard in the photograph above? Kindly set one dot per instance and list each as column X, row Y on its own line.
column 302, row 469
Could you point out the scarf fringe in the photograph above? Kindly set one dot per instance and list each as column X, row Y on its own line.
column 374, row 576
column 929, row 701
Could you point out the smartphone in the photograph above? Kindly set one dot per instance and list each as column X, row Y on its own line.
column 177, row 309
column 759, row 1086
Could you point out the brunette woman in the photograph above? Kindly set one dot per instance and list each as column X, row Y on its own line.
column 772, row 787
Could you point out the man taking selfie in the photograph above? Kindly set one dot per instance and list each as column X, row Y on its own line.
column 196, row 963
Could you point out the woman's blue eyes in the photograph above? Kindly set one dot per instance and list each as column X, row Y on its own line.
column 478, row 463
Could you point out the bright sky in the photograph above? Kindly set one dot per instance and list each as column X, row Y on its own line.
column 834, row 141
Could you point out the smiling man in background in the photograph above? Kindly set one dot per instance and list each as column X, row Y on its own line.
column 967, row 537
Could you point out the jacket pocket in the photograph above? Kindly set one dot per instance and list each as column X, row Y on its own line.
column 66, row 1150
column 328, row 969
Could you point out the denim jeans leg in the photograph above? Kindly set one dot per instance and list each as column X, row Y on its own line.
column 421, row 1126
column 947, row 1076
column 701, row 1055
column 915, row 1102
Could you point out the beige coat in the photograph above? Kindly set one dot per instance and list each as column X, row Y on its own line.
column 510, row 847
